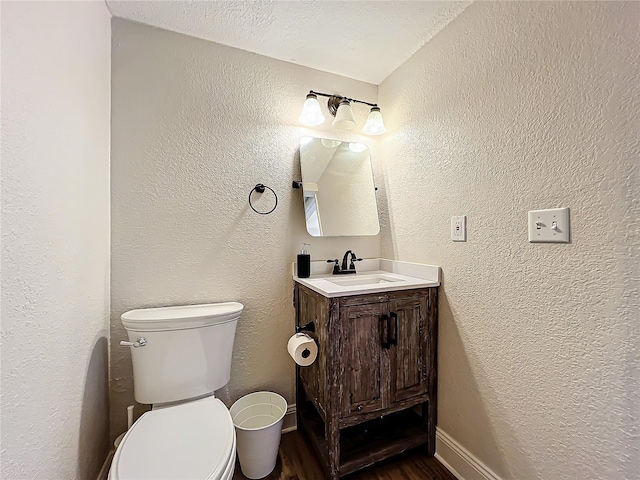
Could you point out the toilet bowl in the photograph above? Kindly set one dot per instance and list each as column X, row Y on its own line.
column 194, row 440
column 180, row 356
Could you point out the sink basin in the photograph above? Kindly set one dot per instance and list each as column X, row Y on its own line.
column 363, row 280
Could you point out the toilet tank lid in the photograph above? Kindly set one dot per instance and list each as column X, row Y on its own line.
column 181, row 317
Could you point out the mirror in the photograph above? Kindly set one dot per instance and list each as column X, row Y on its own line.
column 337, row 185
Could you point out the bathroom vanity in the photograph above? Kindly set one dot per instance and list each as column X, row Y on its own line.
column 371, row 393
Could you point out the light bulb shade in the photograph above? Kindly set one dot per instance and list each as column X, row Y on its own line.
column 329, row 143
column 311, row 113
column 344, row 117
column 374, row 124
column 305, row 140
column 357, row 147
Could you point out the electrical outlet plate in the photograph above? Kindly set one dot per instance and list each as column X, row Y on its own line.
column 459, row 228
column 549, row 226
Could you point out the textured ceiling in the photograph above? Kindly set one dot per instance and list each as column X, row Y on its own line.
column 365, row 40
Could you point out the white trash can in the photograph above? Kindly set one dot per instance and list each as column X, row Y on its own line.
column 258, row 420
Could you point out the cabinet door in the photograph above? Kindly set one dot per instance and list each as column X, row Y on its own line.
column 363, row 358
column 409, row 357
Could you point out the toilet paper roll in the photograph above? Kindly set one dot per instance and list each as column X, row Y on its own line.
column 302, row 349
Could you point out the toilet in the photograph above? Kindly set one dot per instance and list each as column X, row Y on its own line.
column 180, row 356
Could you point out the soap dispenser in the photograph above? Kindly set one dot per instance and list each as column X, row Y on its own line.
column 304, row 262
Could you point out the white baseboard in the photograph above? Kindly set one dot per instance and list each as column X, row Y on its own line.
column 104, row 471
column 459, row 461
column 290, row 420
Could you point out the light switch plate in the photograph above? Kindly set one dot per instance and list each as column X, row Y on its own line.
column 549, row 226
column 459, row 228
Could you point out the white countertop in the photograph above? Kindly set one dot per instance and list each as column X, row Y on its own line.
column 374, row 275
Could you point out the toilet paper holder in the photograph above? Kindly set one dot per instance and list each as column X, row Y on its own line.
column 309, row 327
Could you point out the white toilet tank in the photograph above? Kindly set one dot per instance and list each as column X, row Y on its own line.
column 187, row 350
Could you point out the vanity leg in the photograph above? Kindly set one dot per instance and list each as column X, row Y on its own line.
column 429, row 423
column 332, row 434
column 430, row 411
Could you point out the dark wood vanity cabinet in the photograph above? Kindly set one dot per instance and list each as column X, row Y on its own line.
column 371, row 393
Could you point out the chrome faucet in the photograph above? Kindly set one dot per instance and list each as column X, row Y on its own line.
column 337, row 270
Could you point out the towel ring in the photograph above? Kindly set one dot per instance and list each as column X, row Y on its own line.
column 260, row 188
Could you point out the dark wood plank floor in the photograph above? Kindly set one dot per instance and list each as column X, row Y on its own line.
column 296, row 461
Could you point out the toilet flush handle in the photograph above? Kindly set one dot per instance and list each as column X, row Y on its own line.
column 141, row 342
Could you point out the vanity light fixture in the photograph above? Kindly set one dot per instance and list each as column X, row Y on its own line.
column 340, row 108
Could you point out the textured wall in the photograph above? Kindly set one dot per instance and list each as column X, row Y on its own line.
column 55, row 239
column 195, row 126
column 517, row 106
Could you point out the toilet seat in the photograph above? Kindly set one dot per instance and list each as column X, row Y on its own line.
column 194, row 440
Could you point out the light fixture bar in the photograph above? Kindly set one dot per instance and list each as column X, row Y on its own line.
column 341, row 98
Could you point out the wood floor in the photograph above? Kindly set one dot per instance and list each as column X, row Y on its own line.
column 296, row 461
